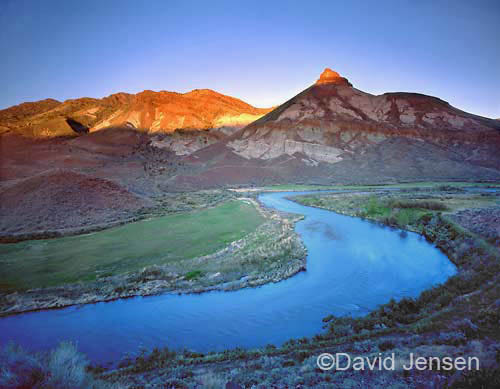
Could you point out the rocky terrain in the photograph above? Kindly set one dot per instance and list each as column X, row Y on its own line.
column 331, row 120
column 22, row 111
column 156, row 142
column 333, row 132
column 200, row 111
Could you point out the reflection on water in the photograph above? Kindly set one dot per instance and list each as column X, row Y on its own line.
column 352, row 267
column 323, row 228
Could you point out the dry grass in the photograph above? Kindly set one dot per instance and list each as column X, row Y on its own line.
column 62, row 368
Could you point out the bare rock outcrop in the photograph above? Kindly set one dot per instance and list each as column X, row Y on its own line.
column 331, row 77
column 331, row 120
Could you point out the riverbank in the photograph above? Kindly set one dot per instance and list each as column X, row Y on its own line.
column 458, row 318
column 271, row 253
column 478, row 212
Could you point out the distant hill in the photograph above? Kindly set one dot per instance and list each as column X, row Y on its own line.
column 18, row 113
column 334, row 132
column 148, row 111
column 105, row 157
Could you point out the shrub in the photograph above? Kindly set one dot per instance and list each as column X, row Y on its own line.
column 403, row 218
column 152, row 272
column 67, row 367
column 301, row 355
column 156, row 359
column 62, row 368
column 211, row 381
column 386, row 345
column 455, row 338
column 341, row 326
column 177, row 384
column 427, row 204
column 328, row 318
column 193, row 275
column 373, row 207
column 484, row 378
column 119, row 289
column 444, row 299
column 19, row 369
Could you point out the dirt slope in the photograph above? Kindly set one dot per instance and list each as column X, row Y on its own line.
column 63, row 199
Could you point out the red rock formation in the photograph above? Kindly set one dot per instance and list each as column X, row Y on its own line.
column 158, row 112
column 331, row 77
column 332, row 131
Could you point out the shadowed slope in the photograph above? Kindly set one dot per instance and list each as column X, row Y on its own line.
column 63, row 199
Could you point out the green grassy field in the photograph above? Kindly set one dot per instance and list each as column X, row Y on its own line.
column 131, row 247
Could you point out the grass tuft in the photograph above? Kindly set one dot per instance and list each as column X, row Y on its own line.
column 63, row 368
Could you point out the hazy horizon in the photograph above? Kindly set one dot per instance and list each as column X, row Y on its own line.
column 261, row 53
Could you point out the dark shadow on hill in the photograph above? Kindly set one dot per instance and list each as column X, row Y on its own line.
column 78, row 127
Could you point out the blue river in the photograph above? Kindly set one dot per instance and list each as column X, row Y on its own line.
column 352, row 267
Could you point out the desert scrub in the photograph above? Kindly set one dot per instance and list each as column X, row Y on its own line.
column 182, row 202
column 419, row 204
column 402, row 208
column 61, row 368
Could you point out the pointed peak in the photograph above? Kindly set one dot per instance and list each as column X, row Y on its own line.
column 331, row 77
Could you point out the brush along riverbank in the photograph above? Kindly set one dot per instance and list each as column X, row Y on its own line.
column 233, row 245
column 459, row 318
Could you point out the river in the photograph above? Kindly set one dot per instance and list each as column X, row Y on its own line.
column 352, row 267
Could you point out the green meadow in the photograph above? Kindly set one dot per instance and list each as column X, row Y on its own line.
column 131, row 247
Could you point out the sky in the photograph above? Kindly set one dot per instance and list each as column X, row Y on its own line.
column 263, row 52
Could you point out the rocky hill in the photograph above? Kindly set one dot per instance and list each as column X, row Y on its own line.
column 126, row 150
column 153, row 112
column 17, row 113
column 332, row 119
column 62, row 199
column 334, row 132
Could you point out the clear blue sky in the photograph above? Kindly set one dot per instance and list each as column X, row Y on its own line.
column 263, row 52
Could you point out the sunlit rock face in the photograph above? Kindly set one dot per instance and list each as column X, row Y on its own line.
column 332, row 120
column 148, row 111
column 200, row 109
column 330, row 77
